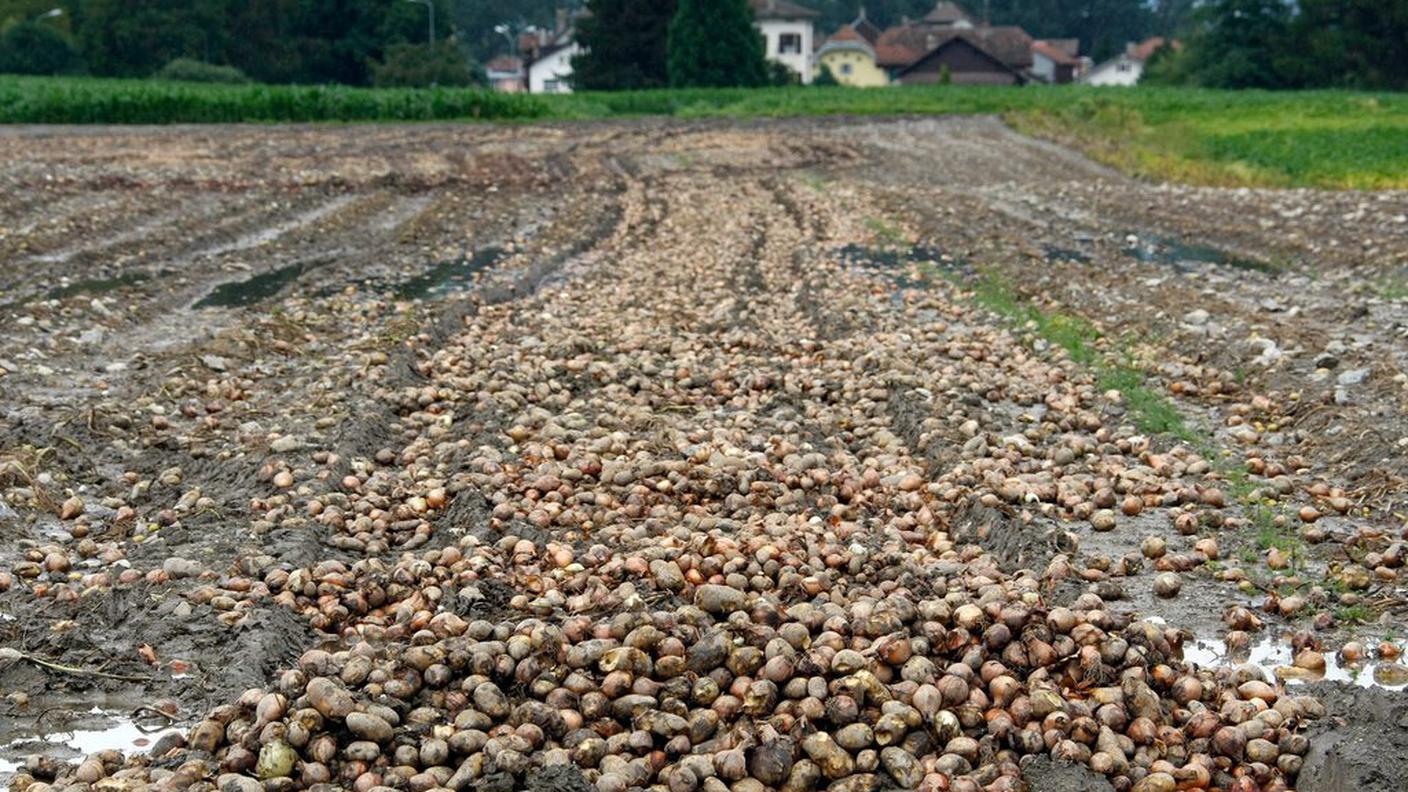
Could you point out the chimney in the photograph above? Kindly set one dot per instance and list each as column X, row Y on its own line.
column 561, row 17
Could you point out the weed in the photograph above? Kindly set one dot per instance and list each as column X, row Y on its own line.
column 886, row 234
column 1356, row 614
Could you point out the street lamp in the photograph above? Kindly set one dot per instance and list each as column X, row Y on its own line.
column 50, row 14
column 507, row 32
column 430, row 7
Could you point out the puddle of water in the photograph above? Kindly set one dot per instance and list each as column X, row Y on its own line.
column 1165, row 249
column 256, row 288
column 1058, row 253
column 449, row 277
column 899, row 264
column 96, row 285
column 88, row 733
column 1273, row 654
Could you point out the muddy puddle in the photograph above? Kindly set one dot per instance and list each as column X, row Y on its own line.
column 257, row 288
column 1273, row 654
column 1058, row 253
column 908, row 268
column 65, row 733
column 1186, row 256
column 451, row 276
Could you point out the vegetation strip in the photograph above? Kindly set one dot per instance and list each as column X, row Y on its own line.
column 1335, row 139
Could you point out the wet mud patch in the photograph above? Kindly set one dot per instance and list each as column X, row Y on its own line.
column 448, row 277
column 259, row 287
column 196, row 660
column 1186, row 256
column 1362, row 745
column 1015, row 544
column 1045, row 774
column 558, row 778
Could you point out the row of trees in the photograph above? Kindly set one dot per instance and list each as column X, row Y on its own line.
column 1274, row 44
column 357, row 42
column 634, row 44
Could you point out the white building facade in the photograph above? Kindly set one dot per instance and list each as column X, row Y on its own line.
column 788, row 34
column 552, row 71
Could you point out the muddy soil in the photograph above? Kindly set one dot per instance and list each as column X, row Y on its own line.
column 190, row 314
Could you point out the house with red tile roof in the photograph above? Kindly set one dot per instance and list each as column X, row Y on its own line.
column 1127, row 67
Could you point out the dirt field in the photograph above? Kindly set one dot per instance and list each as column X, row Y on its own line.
column 431, row 410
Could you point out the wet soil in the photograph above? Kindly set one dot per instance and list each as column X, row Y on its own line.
column 188, row 310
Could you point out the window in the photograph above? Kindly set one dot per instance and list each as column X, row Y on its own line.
column 845, row 68
column 552, row 86
column 789, row 44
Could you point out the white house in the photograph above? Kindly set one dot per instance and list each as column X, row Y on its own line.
column 1127, row 67
column 551, row 70
column 787, row 33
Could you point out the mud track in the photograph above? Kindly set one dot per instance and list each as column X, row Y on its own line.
column 260, row 387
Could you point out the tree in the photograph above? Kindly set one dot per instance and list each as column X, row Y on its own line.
column 419, row 65
column 825, row 77
column 625, row 43
column 712, row 43
column 133, row 38
column 36, row 48
column 1238, row 44
column 1103, row 26
column 1351, row 43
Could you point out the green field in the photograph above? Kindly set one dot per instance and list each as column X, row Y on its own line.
column 1334, row 139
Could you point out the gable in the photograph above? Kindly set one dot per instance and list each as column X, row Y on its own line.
column 959, row 55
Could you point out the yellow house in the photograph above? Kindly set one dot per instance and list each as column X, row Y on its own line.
column 850, row 55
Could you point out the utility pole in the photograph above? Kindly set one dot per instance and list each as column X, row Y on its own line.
column 430, row 7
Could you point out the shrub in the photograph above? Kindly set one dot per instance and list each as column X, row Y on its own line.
column 418, row 65
column 191, row 70
column 36, row 48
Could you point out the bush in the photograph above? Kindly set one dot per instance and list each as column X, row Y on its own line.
column 825, row 77
column 191, row 70
column 36, row 48
column 418, row 65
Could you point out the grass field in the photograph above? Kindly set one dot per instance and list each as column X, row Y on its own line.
column 1322, row 138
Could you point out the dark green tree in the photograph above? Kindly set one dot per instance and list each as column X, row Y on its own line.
column 712, row 43
column 1238, row 44
column 133, row 38
column 625, row 45
column 825, row 77
column 36, row 48
column 1104, row 27
column 1350, row 43
column 419, row 65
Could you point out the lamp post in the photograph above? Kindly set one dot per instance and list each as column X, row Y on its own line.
column 429, row 7
column 50, row 14
column 507, row 32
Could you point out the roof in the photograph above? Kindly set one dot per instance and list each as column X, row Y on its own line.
column 946, row 13
column 1070, row 46
column 781, row 9
column 866, row 28
column 847, row 38
column 965, row 39
column 1055, row 54
column 1145, row 49
column 899, row 47
column 505, row 63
